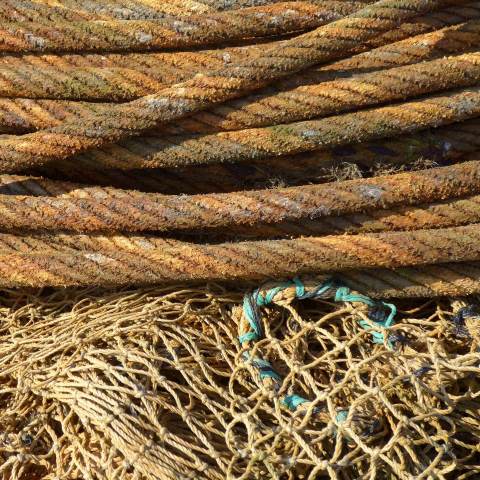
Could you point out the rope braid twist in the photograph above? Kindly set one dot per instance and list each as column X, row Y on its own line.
column 130, row 77
column 114, row 77
column 442, row 145
column 266, row 143
column 329, row 42
column 251, row 328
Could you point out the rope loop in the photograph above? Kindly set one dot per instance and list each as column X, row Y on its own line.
column 380, row 313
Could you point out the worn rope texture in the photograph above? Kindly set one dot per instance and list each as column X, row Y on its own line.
column 24, row 10
column 425, row 281
column 437, row 215
column 24, row 115
column 34, row 71
column 263, row 143
column 448, row 213
column 74, row 10
column 72, row 368
column 344, row 94
column 68, row 35
column 326, row 43
column 21, row 115
column 450, row 279
column 439, row 146
column 320, row 93
column 99, row 208
column 126, row 77
column 145, row 9
column 31, row 11
column 240, row 261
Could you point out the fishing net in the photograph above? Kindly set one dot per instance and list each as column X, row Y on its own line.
column 155, row 384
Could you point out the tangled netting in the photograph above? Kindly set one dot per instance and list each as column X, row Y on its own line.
column 153, row 384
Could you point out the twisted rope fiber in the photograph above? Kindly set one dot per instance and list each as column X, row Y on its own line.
column 258, row 260
column 447, row 213
column 29, row 11
column 441, row 145
column 251, row 328
column 131, row 10
column 110, row 209
column 278, row 140
column 126, row 77
column 138, row 9
column 130, row 119
column 84, row 365
column 329, row 97
column 324, row 96
column 118, row 389
column 426, row 281
column 67, row 35
column 21, row 115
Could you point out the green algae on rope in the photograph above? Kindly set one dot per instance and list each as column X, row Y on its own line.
column 263, row 143
column 329, row 42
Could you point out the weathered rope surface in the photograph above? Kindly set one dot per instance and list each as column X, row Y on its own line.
column 447, row 213
column 43, row 34
column 110, row 209
column 258, row 260
column 341, row 95
column 277, row 140
column 326, row 43
column 126, row 77
column 412, row 151
column 426, row 281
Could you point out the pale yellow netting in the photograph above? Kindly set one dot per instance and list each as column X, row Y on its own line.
column 151, row 384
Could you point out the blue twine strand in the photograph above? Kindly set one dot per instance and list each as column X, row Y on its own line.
column 251, row 309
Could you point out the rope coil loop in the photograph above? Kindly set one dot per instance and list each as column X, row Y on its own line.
column 380, row 313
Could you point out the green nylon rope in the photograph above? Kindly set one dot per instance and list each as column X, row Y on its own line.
column 253, row 301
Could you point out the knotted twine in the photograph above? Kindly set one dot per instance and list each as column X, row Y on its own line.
column 381, row 316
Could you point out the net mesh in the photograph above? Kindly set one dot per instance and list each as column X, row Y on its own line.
column 153, row 384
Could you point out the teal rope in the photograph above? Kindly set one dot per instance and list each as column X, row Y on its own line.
column 252, row 303
column 293, row 401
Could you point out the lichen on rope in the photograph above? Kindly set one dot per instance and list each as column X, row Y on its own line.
column 329, row 42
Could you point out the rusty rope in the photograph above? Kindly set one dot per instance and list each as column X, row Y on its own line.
column 427, row 281
column 449, row 213
column 392, row 74
column 59, row 34
column 263, row 143
column 109, row 209
column 126, row 77
column 243, row 260
column 440, row 145
column 449, row 279
column 138, row 9
column 121, row 77
column 336, row 96
column 326, row 43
